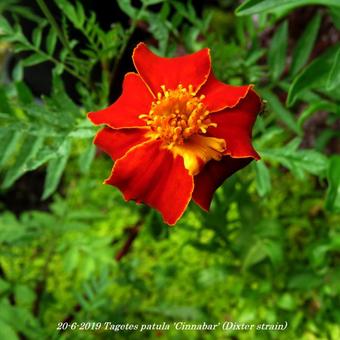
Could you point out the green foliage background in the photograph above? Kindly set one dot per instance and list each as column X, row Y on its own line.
column 269, row 250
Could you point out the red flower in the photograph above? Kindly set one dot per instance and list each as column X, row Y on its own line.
column 176, row 132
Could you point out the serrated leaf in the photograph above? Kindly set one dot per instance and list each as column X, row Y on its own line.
column 297, row 160
column 34, row 59
column 18, row 72
column 127, row 8
column 305, row 45
column 28, row 150
column 82, row 133
column 263, row 183
column 42, row 157
column 335, row 14
column 4, row 103
column 61, row 99
column 333, row 192
column 304, row 281
column 333, row 80
column 55, row 170
column 80, row 14
column 256, row 253
column 24, row 93
column 9, row 141
column 315, row 107
column 5, row 26
column 51, row 41
column 36, row 36
column 59, row 69
column 159, row 30
column 280, row 111
column 274, row 251
column 314, row 75
column 151, row 2
column 257, row 6
column 70, row 11
column 7, row 332
column 86, row 158
column 277, row 51
column 17, row 48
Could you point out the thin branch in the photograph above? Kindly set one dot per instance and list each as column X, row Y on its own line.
column 122, row 49
column 55, row 25
column 133, row 233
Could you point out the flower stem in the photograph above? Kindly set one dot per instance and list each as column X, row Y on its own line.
column 61, row 37
column 54, row 24
column 122, row 49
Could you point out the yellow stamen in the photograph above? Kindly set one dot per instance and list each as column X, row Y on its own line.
column 179, row 118
column 175, row 109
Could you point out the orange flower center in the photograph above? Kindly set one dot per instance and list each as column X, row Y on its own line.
column 176, row 115
column 180, row 119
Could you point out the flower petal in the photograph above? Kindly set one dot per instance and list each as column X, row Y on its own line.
column 198, row 150
column 117, row 143
column 219, row 96
column 154, row 176
column 191, row 69
column 135, row 100
column 235, row 125
column 212, row 176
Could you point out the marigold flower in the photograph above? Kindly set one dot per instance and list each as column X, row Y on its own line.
column 176, row 132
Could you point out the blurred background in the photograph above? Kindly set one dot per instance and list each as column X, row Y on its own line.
column 71, row 250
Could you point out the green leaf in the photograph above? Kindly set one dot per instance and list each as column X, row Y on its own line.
column 4, row 103
column 333, row 80
column 51, row 41
column 18, row 72
column 7, row 332
column 304, row 281
column 263, row 183
column 257, row 6
column 28, row 150
column 55, row 169
column 274, row 251
column 297, row 160
column 305, row 45
column 24, row 93
column 34, row 59
column 315, row 75
column 151, row 2
column 280, row 111
column 257, row 252
column 74, row 14
column 127, row 8
column 43, row 156
column 9, row 140
column 315, row 107
column 159, row 30
column 277, row 51
column 5, row 26
column 287, row 302
column 80, row 14
column 333, row 192
column 36, row 36
column 24, row 295
column 86, row 158
column 335, row 14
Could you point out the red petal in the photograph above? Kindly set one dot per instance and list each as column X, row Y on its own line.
column 212, row 176
column 219, row 96
column 235, row 126
column 135, row 100
column 191, row 69
column 152, row 175
column 117, row 143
